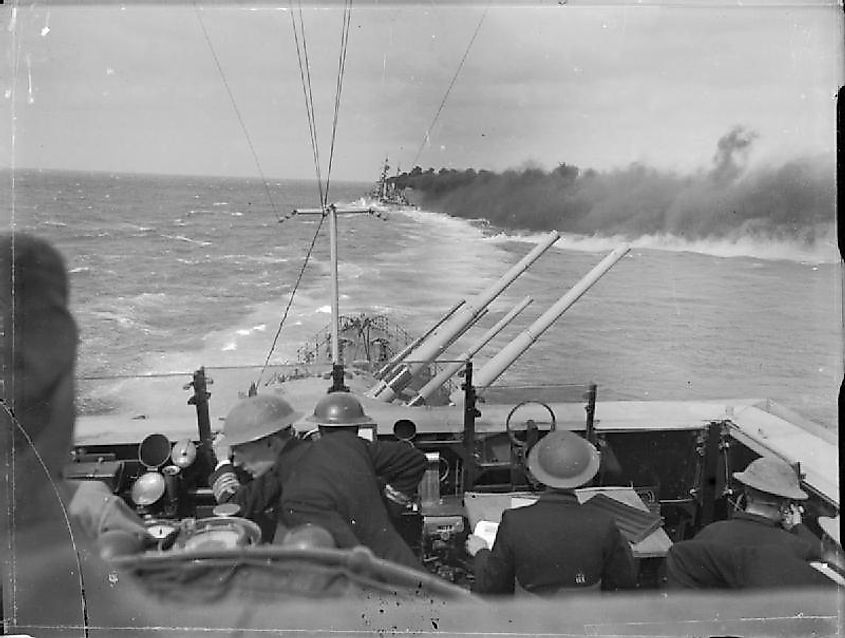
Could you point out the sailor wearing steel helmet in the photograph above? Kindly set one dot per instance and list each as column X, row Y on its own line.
column 556, row 545
column 342, row 479
column 771, row 516
column 258, row 439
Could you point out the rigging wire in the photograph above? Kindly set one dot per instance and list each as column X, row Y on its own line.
column 238, row 114
column 290, row 299
column 305, row 78
column 426, row 137
column 341, row 71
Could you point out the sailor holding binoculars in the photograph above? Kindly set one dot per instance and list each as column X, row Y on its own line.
column 771, row 515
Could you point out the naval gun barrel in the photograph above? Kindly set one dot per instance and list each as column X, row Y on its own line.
column 402, row 354
column 432, row 347
column 460, row 334
column 452, row 368
column 511, row 352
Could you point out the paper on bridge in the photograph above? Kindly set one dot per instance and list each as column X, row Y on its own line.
column 486, row 530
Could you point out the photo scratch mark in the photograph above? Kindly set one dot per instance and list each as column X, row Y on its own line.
column 30, row 98
column 55, row 487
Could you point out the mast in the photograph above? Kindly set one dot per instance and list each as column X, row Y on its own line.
column 332, row 212
column 382, row 182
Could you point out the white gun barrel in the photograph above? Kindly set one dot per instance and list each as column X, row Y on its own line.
column 452, row 368
column 432, row 347
column 511, row 352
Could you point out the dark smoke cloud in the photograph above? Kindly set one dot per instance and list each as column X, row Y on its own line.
column 730, row 147
column 793, row 202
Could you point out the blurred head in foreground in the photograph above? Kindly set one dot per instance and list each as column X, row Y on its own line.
column 39, row 352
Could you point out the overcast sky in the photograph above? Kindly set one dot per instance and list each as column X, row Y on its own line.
column 142, row 89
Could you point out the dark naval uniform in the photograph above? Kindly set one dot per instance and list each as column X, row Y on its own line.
column 552, row 546
column 261, row 497
column 699, row 564
column 339, row 483
column 746, row 529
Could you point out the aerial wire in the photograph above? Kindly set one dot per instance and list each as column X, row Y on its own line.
column 312, row 125
column 305, row 78
column 426, row 137
column 290, row 299
column 341, row 71
column 237, row 113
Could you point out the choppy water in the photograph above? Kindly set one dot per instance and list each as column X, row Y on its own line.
column 170, row 273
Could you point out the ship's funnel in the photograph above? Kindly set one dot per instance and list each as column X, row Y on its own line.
column 432, row 347
column 511, row 352
column 452, row 368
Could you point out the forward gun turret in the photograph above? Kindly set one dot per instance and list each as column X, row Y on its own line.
column 432, row 347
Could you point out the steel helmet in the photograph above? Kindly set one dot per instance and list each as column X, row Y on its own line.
column 339, row 409
column 563, row 460
column 773, row 476
column 308, row 536
column 258, row 416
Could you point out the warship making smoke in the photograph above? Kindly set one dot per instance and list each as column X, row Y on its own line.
column 730, row 209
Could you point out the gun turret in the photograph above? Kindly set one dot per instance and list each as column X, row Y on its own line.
column 388, row 367
column 450, row 369
column 432, row 347
column 511, row 352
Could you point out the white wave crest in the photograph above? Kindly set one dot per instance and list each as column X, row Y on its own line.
column 823, row 251
column 198, row 242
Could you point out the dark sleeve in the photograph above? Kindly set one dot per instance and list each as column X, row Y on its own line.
column 769, row 566
column 399, row 464
column 619, row 568
column 494, row 569
column 254, row 497
column 814, row 543
column 707, row 533
column 696, row 564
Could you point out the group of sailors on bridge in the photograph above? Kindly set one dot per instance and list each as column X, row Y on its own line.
column 338, row 489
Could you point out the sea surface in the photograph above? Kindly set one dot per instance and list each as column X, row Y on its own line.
column 172, row 273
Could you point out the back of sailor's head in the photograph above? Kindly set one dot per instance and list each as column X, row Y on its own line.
column 39, row 345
